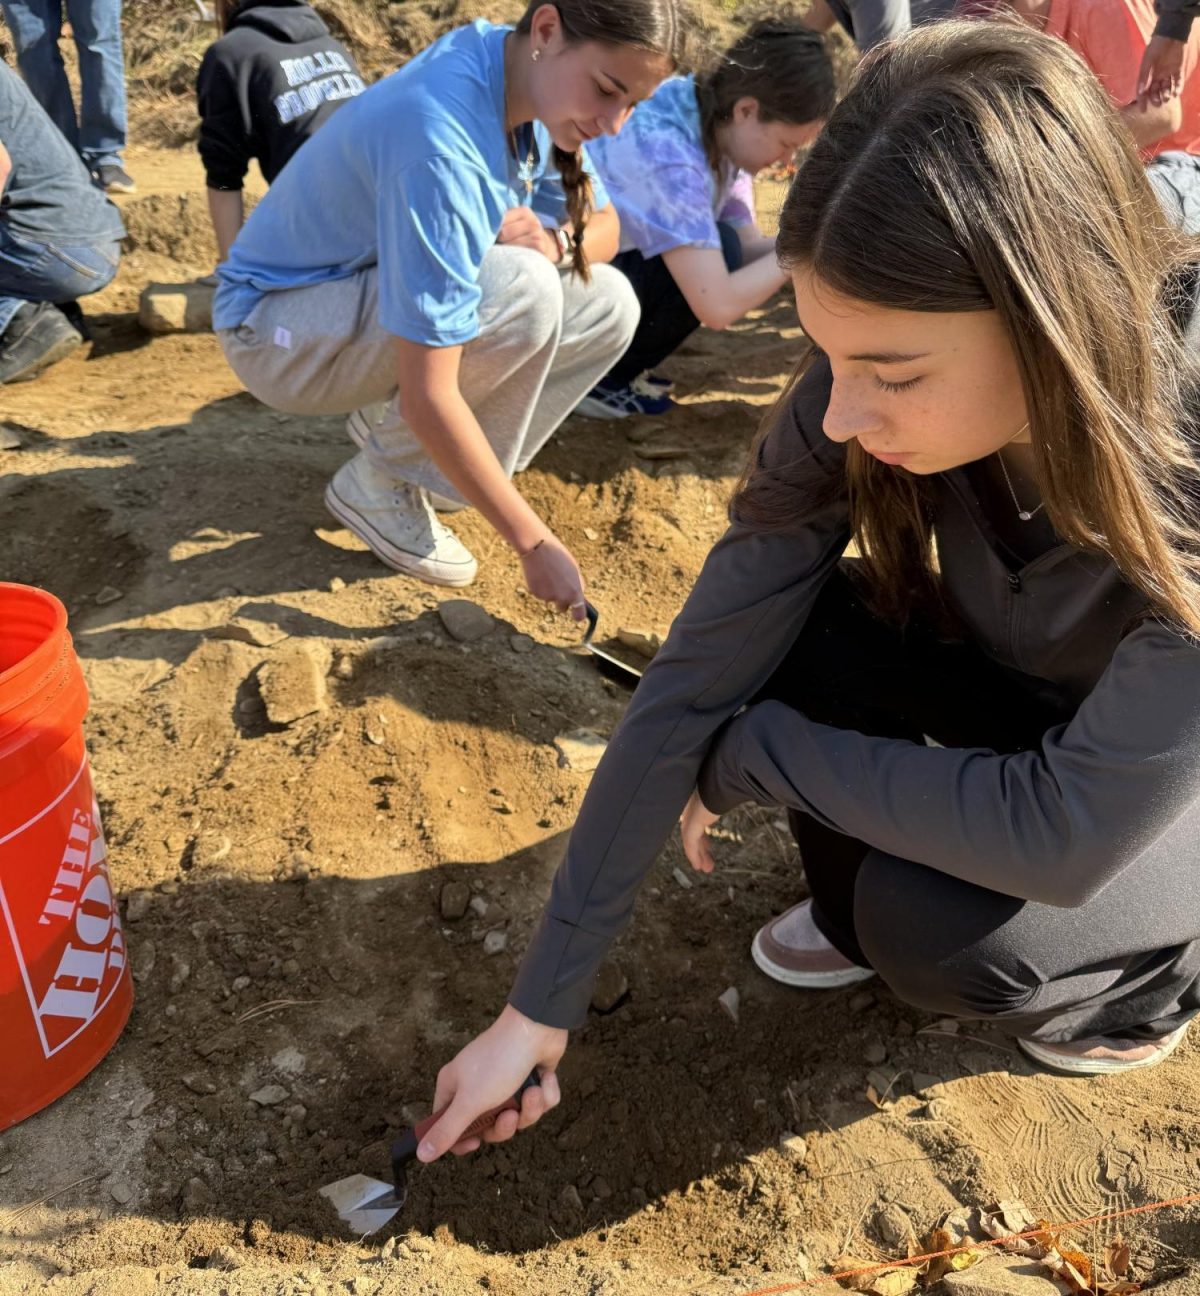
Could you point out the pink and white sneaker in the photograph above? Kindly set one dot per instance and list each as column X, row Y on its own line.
column 791, row 949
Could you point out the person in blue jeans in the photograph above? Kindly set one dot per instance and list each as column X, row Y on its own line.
column 59, row 235
column 98, row 132
column 681, row 176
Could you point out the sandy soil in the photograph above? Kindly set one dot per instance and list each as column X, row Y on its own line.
column 301, row 867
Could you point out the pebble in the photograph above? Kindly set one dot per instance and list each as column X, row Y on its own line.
column 730, row 1000
column 181, row 969
column 9, row 440
column 197, row 1195
column 520, row 643
column 892, row 1224
column 137, row 906
column 682, row 878
column 290, row 1061
column 495, row 942
column 224, row 1257
column 923, row 1082
column 269, row 1095
column 478, row 906
column 601, row 1188
column 875, row 1053
column 464, row 620
column 120, row 1191
column 591, row 534
column 260, row 634
column 571, row 1199
column 793, row 1146
column 861, row 1001
column 139, row 1105
column 453, row 902
column 336, row 585
column 343, row 668
column 580, row 750
column 292, row 682
column 611, row 987
column 199, row 1084
column 109, row 594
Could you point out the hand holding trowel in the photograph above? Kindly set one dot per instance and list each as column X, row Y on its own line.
column 368, row 1204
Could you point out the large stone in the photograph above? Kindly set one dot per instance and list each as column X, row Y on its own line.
column 1002, row 1276
column 292, row 682
column 464, row 620
column 176, row 308
column 580, row 750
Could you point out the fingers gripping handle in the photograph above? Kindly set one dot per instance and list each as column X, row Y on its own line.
column 405, row 1147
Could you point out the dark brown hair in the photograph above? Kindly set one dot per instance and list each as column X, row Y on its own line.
column 780, row 63
column 980, row 166
column 655, row 25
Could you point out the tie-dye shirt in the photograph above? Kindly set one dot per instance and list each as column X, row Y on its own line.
column 658, row 177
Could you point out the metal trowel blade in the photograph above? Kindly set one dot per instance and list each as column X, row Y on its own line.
column 365, row 1204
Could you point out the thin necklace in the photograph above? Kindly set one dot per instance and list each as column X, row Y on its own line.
column 525, row 171
column 1026, row 515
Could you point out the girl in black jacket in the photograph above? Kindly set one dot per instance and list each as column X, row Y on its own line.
column 273, row 78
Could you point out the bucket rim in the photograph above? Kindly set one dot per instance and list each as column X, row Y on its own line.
column 31, row 595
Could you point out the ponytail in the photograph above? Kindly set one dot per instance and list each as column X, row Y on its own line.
column 577, row 185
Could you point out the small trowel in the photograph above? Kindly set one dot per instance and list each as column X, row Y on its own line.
column 367, row 1204
column 606, row 663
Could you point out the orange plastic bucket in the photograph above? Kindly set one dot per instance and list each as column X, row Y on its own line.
column 65, row 990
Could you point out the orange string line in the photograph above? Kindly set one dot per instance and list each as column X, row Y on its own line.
column 975, row 1246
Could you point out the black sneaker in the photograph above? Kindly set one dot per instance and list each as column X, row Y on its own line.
column 76, row 318
column 115, row 179
column 38, row 335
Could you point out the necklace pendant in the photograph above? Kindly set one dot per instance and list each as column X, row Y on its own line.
column 1025, row 515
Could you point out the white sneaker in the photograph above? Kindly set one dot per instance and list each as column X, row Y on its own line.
column 395, row 520
column 359, row 426
column 791, row 949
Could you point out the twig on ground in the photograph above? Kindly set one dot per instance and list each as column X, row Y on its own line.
column 975, row 1039
column 273, row 1005
column 871, row 1165
column 20, row 1212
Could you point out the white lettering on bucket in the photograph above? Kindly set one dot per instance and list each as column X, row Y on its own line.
column 92, row 961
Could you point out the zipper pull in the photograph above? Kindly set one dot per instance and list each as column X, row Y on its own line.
column 1014, row 582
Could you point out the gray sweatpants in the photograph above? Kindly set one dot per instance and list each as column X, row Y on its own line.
column 545, row 339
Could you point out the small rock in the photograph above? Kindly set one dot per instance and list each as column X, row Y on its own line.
column 793, row 1147
column 730, row 1000
column 239, row 984
column 875, row 1053
column 580, row 750
column 140, row 1105
column 478, row 906
column 197, row 1196
column 611, row 987
column 225, row 1257
column 939, row 1109
column 1002, row 1276
column 388, row 1250
column 181, row 969
column 176, row 308
column 601, row 1189
column 120, row 1191
column 571, row 1199
column 520, row 643
column 9, row 440
column 210, row 849
column 590, row 534
column 453, row 902
column 269, row 1095
column 464, row 620
column 290, row 1061
column 682, row 878
column 643, row 642
column 495, row 942
column 199, row 1084
column 292, row 682
column 923, row 1084
column 343, row 668
column 109, row 594
column 892, row 1224
column 336, row 585
column 137, row 906
column 261, row 634
column 861, row 1001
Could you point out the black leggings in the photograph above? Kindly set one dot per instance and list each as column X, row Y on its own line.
column 667, row 320
column 1108, row 967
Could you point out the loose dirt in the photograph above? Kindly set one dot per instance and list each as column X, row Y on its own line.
column 281, row 885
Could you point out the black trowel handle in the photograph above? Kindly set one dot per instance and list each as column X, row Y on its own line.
column 404, row 1149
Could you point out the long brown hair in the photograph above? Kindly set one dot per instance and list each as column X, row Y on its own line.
column 980, row 166
column 224, row 11
column 655, row 25
column 779, row 62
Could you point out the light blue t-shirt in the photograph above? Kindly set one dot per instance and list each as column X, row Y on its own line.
column 414, row 175
column 657, row 174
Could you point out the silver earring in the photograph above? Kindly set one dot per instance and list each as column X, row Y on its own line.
column 537, row 54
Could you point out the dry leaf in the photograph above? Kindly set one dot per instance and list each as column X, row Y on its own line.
column 1117, row 1258
column 933, row 1271
column 1122, row 1287
column 965, row 1259
column 895, row 1282
column 853, row 1281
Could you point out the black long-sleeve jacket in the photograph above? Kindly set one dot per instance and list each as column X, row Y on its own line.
column 1175, row 18
column 1054, row 825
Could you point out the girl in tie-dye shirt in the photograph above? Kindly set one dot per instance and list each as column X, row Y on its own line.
column 681, row 176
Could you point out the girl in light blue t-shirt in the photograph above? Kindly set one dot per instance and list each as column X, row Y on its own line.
column 430, row 264
column 681, row 176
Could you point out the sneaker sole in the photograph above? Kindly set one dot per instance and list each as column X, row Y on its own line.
column 59, row 351
column 398, row 559
column 1064, row 1064
column 121, row 188
column 360, row 434
column 591, row 408
column 805, row 980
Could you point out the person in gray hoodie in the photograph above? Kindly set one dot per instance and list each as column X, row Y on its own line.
column 271, row 81
column 1000, row 414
